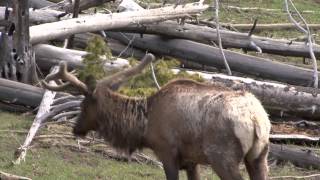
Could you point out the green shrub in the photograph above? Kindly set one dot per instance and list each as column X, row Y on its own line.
column 98, row 52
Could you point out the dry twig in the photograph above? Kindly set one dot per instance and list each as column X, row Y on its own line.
column 7, row 176
column 43, row 110
column 219, row 37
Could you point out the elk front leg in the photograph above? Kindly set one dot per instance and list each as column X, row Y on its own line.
column 170, row 164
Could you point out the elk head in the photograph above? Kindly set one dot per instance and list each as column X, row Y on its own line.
column 88, row 117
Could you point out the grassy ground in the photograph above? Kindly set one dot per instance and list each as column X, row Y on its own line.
column 233, row 16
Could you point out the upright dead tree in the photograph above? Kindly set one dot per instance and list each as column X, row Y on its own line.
column 76, row 10
column 7, row 70
column 25, row 60
column 22, row 60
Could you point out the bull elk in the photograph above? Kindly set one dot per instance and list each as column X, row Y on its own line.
column 185, row 123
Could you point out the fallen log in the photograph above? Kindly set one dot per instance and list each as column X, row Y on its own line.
column 261, row 27
column 97, row 22
column 67, row 5
column 298, row 157
column 117, row 48
column 229, row 39
column 268, row 27
column 20, row 93
column 48, row 56
column 294, row 138
column 35, row 4
column 121, row 50
column 296, row 121
column 210, row 56
column 246, row 9
column 36, row 16
column 4, row 106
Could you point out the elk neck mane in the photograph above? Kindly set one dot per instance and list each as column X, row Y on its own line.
column 122, row 120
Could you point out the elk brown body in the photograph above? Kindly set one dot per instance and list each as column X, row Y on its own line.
column 185, row 123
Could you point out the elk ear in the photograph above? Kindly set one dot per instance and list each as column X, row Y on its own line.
column 91, row 82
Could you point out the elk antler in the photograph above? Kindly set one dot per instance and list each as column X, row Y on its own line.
column 117, row 79
column 63, row 74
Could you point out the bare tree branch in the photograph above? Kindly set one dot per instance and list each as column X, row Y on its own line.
column 310, row 38
column 76, row 10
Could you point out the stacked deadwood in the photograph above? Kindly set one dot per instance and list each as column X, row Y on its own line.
column 291, row 97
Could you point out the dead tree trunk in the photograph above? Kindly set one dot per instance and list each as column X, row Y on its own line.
column 17, row 93
column 268, row 27
column 24, row 59
column 7, row 65
column 36, row 16
column 76, row 11
column 67, row 5
column 210, row 56
column 259, row 27
column 295, row 139
column 230, row 39
column 35, row 4
column 117, row 48
column 98, row 22
column 48, row 56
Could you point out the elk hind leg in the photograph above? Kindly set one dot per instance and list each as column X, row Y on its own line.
column 258, row 168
